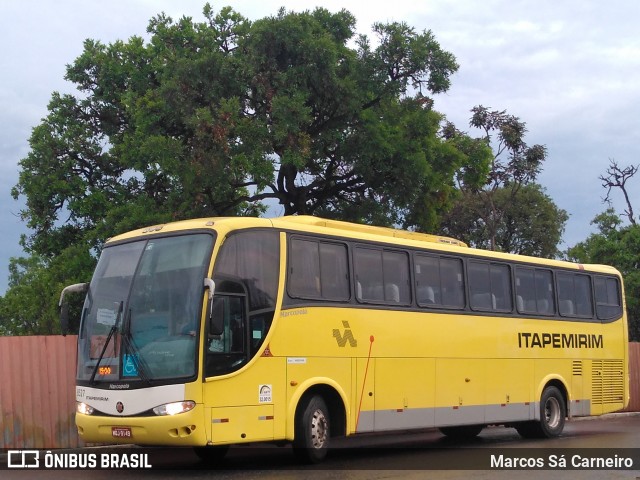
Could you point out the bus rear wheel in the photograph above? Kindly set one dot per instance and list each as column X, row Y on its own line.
column 553, row 411
column 312, row 430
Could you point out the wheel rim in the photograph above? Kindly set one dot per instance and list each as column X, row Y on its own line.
column 552, row 412
column 319, row 429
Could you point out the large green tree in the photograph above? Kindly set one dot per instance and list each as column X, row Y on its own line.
column 508, row 211
column 223, row 116
column 214, row 118
column 617, row 245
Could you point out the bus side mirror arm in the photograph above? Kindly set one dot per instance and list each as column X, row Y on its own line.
column 211, row 286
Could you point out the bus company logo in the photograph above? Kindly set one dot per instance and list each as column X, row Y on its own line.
column 120, row 407
column 559, row 340
column 347, row 336
column 23, row 459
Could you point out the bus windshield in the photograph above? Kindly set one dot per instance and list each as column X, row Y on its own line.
column 141, row 314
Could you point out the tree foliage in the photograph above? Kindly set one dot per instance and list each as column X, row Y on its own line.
column 507, row 210
column 214, row 118
column 617, row 177
column 617, row 245
column 530, row 222
column 223, row 116
column 30, row 305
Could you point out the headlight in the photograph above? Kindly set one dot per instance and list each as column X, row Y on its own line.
column 174, row 408
column 84, row 409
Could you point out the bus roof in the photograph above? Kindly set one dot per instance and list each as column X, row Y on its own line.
column 369, row 229
column 345, row 229
column 290, row 222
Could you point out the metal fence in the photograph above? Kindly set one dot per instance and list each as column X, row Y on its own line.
column 634, row 377
column 37, row 391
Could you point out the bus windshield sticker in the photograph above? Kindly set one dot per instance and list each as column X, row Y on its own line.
column 129, row 366
column 106, row 317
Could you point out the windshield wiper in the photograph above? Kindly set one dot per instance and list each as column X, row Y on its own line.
column 112, row 331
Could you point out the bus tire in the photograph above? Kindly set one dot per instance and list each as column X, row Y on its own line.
column 553, row 411
column 312, row 430
column 462, row 432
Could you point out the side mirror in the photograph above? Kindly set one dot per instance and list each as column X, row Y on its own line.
column 64, row 318
column 64, row 306
column 219, row 309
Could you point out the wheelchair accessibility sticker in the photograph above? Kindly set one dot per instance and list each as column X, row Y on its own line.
column 130, row 366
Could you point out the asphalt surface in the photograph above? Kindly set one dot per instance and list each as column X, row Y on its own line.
column 594, row 448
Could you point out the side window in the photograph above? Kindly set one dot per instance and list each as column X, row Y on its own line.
column 248, row 264
column 334, row 271
column 318, row 270
column 534, row 291
column 252, row 257
column 304, row 269
column 566, row 302
column 574, row 295
column 608, row 299
column 369, row 276
column 382, row 276
column 439, row 281
column 489, row 286
column 584, row 302
column 396, row 277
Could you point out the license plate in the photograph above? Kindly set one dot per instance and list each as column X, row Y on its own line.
column 121, row 432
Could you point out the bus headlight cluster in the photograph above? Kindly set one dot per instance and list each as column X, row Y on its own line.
column 174, row 408
column 84, row 409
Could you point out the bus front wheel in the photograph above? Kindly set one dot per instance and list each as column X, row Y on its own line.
column 553, row 411
column 312, row 430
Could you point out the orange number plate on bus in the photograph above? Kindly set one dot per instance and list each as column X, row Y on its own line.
column 121, row 432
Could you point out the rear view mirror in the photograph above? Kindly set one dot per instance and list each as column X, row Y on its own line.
column 219, row 309
column 64, row 305
column 64, row 318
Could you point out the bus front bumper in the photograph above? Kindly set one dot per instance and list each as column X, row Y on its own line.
column 184, row 429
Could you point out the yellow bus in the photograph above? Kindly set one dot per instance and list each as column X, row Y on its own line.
column 212, row 332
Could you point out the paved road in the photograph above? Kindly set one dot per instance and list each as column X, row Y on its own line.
column 411, row 456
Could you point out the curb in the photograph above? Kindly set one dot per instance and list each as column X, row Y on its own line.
column 605, row 416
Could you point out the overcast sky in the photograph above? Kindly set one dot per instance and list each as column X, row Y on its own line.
column 569, row 69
